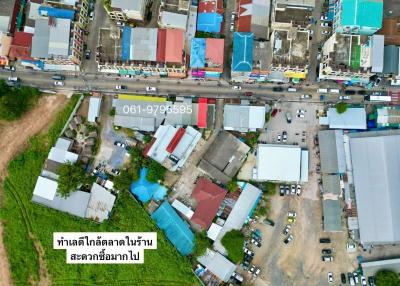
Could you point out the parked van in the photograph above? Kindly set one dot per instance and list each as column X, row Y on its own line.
column 322, row 90
column 291, row 89
column 58, row 77
column 334, row 90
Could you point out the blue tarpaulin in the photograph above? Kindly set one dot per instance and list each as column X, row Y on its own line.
column 56, row 13
column 176, row 230
column 209, row 22
column 144, row 190
column 198, row 53
column 126, row 43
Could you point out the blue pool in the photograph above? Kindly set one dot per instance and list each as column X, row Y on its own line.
column 145, row 190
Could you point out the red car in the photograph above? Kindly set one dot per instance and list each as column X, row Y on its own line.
column 274, row 112
column 248, row 93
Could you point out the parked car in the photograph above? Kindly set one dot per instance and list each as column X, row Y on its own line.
column 277, row 89
column 151, row 89
column 377, row 81
column 324, row 24
column 301, row 115
column 239, row 278
column 292, row 189
column 330, row 277
column 361, row 92
column 87, row 54
column 233, row 16
column 298, row 190
column 13, row 78
column 324, row 17
column 287, row 190
column 115, row 171
column 120, row 24
column 288, row 117
column 236, row 87
column 327, row 258
column 281, row 191
column 349, row 92
column 355, row 275
column 254, row 270
column 91, row 16
column 120, row 87
column 232, row 27
column 326, row 251
column 128, row 76
column 58, row 77
column 278, row 139
column 248, row 93
column 269, row 222
column 325, row 32
column 58, row 83
column 305, row 96
column 351, row 279
column 291, row 214
column 291, row 219
column 248, row 258
column 344, row 97
column 248, row 252
column 287, row 229
column 245, row 264
column 288, row 239
column 284, row 136
column 363, row 281
column 119, row 144
column 343, row 278
column 324, row 240
column 256, row 242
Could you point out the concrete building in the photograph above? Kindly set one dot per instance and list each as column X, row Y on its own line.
column 373, row 164
column 253, row 17
column 127, row 10
column 206, row 58
column 173, row 14
column 171, row 146
column 243, row 118
column 142, row 52
column 242, row 57
column 358, row 17
column 332, row 151
column 94, row 108
column 350, row 58
column 388, row 116
column 217, row 264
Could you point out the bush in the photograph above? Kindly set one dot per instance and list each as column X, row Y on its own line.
column 387, row 278
column 112, row 112
column 233, row 242
column 16, row 101
column 156, row 172
column 232, row 186
column 251, row 138
column 70, row 177
column 341, row 107
column 202, row 242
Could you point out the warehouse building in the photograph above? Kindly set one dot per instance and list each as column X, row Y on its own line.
column 243, row 118
column 351, row 119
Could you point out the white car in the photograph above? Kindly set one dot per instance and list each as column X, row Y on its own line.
column 301, row 115
column 13, row 78
column 279, row 138
column 324, row 18
column 324, row 24
column 345, row 97
column 284, row 136
column 291, row 214
column 330, row 277
column 305, row 96
column 120, row 87
column 301, row 111
column 326, row 32
column 59, row 83
column 233, row 16
column 91, row 16
column 128, row 76
column 232, row 27
column 292, row 192
column 120, row 24
column 355, row 275
column 310, row 32
column 151, row 88
column 288, row 239
column 236, row 87
column 363, row 281
column 298, row 190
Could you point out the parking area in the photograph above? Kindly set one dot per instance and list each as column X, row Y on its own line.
column 300, row 261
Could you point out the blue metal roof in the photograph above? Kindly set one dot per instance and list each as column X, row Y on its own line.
column 242, row 56
column 209, row 22
column 176, row 230
column 198, row 53
column 126, row 43
column 57, row 13
column 363, row 13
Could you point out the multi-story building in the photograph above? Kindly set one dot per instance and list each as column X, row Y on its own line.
column 127, row 10
column 347, row 58
column 142, row 52
column 173, row 14
column 358, row 17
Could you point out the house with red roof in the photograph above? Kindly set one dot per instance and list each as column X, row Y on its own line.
column 209, row 197
column 21, row 46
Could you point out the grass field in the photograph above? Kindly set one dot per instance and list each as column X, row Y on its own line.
column 26, row 223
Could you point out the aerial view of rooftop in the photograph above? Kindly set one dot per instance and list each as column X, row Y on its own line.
column 199, row 142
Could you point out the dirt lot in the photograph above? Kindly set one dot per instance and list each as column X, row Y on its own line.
column 298, row 263
column 15, row 136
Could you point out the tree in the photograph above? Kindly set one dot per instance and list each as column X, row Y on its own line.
column 387, row 278
column 147, row 138
column 341, row 107
column 202, row 242
column 124, row 180
column 16, row 101
column 232, row 186
column 70, row 177
column 233, row 242
column 155, row 172
column 112, row 111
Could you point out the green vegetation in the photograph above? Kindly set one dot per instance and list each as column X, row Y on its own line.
column 155, row 172
column 251, row 138
column 70, row 178
column 233, row 242
column 387, row 278
column 202, row 243
column 124, row 180
column 112, row 111
column 27, row 225
column 16, row 101
column 232, row 185
column 341, row 107
column 147, row 138
column 269, row 189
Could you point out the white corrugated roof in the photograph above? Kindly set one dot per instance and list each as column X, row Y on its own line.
column 213, row 231
column 183, row 209
column 173, row 20
column 377, row 53
column 217, row 264
column 100, row 203
column 163, row 135
column 62, row 156
column 94, row 108
column 352, row 118
column 45, row 188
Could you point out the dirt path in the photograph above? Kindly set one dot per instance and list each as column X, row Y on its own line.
column 15, row 136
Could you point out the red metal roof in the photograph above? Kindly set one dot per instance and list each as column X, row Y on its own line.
column 211, row 7
column 202, row 113
column 148, row 146
column 21, row 46
column 161, row 37
column 174, row 46
column 22, row 39
column 209, row 197
column 215, row 50
column 243, row 23
column 175, row 140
